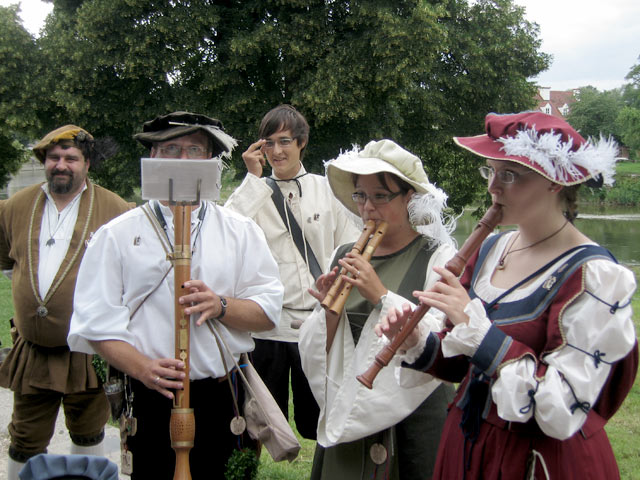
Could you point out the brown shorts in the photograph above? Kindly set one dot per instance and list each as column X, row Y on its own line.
column 34, row 418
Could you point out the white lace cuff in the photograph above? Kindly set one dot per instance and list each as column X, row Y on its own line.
column 414, row 352
column 465, row 338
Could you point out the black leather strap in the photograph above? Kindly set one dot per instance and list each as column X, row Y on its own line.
column 296, row 233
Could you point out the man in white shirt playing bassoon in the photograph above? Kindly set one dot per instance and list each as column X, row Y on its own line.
column 124, row 310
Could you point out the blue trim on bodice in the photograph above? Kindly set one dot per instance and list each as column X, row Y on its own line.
column 531, row 307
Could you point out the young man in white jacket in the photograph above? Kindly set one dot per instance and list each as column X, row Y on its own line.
column 324, row 224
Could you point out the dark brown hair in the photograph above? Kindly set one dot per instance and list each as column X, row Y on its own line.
column 382, row 178
column 93, row 150
column 286, row 117
column 569, row 196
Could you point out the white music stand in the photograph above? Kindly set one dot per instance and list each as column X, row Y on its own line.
column 181, row 181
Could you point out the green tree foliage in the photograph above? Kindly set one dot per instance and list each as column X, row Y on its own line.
column 416, row 71
column 18, row 68
column 628, row 121
column 632, row 89
column 12, row 155
column 595, row 112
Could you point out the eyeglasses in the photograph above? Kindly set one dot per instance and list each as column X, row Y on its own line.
column 376, row 199
column 505, row 176
column 175, row 151
column 284, row 142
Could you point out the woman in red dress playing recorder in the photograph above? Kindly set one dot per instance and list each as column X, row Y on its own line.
column 539, row 329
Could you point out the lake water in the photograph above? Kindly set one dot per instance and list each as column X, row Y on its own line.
column 615, row 228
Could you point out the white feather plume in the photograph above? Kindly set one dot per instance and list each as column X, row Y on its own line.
column 427, row 215
column 226, row 140
column 558, row 160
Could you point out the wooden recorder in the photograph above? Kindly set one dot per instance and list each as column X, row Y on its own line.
column 484, row 227
column 369, row 240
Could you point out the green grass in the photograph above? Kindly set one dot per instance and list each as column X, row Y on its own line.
column 624, row 428
column 6, row 310
column 628, row 168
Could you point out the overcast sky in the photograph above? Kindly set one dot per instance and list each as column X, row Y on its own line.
column 593, row 42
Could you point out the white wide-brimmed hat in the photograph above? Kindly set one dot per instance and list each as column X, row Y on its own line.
column 376, row 157
column 425, row 208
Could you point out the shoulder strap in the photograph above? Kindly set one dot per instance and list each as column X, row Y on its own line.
column 158, row 223
column 152, row 220
column 294, row 229
column 486, row 247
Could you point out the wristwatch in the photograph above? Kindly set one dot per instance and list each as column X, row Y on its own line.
column 380, row 302
column 223, row 304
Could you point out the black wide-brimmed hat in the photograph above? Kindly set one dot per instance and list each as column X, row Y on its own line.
column 179, row 124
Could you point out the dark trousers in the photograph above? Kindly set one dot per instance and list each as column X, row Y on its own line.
column 153, row 457
column 275, row 361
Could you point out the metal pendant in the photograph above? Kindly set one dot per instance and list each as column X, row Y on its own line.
column 378, row 453
column 126, row 457
column 238, row 425
column 50, row 242
column 42, row 311
column 549, row 282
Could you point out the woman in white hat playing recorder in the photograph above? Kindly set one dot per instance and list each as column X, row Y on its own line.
column 540, row 330
column 388, row 432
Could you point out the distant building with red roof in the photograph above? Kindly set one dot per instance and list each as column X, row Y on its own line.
column 554, row 102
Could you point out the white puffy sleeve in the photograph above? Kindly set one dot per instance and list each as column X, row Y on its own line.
column 563, row 385
column 99, row 295
column 249, row 197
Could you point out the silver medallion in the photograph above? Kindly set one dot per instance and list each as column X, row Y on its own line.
column 238, row 425
column 378, row 453
column 42, row 311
